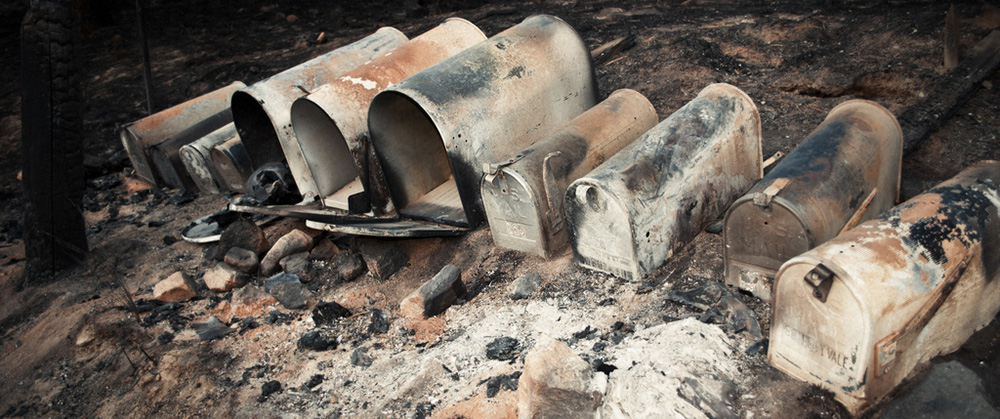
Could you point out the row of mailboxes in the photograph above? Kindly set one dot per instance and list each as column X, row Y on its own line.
column 439, row 134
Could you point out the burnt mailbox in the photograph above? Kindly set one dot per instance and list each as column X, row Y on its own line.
column 198, row 162
column 857, row 314
column 262, row 111
column 182, row 124
column 433, row 132
column 846, row 171
column 524, row 197
column 631, row 213
column 331, row 123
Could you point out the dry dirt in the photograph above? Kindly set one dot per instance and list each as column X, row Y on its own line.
column 72, row 348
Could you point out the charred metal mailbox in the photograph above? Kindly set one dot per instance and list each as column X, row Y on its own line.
column 631, row 213
column 331, row 124
column 524, row 198
column 262, row 111
column 211, row 110
column 232, row 163
column 846, row 171
column 856, row 314
column 198, row 161
column 434, row 131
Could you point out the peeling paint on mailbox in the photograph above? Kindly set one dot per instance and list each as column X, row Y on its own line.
column 524, row 199
column 857, row 314
column 631, row 213
column 846, row 171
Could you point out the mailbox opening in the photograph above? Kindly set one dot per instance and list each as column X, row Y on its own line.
column 336, row 178
column 412, row 153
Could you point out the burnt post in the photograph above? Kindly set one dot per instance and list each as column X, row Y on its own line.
column 52, row 139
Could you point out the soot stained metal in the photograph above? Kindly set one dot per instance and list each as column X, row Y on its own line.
column 331, row 124
column 261, row 111
column 208, row 112
column 524, row 198
column 434, row 132
column 631, row 213
column 845, row 172
column 858, row 313
column 198, row 161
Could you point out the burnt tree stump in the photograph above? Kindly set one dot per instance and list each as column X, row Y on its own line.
column 52, row 139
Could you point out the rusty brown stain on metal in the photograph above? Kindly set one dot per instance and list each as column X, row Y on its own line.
column 139, row 136
column 910, row 284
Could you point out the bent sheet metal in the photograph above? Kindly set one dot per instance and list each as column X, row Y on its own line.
column 857, row 314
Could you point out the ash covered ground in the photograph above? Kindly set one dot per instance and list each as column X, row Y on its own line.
column 74, row 347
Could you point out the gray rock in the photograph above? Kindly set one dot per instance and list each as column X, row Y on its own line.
column 434, row 296
column 525, row 285
column 383, row 258
column 244, row 234
column 223, row 278
column 685, row 367
column 379, row 322
column 211, row 329
column 298, row 264
column 949, row 390
column 317, row 341
column 294, row 242
column 174, row 288
column 242, row 259
column 360, row 358
column 324, row 250
column 349, row 265
column 288, row 290
column 556, row 383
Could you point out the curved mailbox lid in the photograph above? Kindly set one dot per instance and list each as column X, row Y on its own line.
column 913, row 283
column 631, row 213
column 846, row 171
column 198, row 160
column 433, row 132
column 261, row 111
column 139, row 136
column 331, row 124
column 524, row 200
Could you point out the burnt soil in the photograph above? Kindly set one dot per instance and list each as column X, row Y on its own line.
column 797, row 60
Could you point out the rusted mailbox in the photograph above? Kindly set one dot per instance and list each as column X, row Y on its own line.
column 524, row 198
column 856, row 314
column 198, row 161
column 262, row 111
column 846, row 171
column 331, row 124
column 434, row 131
column 210, row 110
column 631, row 213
